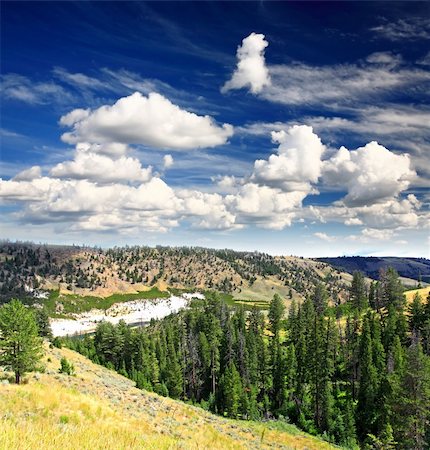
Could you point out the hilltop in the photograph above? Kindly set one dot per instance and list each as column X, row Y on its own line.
column 80, row 271
column 100, row 409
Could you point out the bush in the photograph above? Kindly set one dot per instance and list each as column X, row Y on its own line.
column 67, row 367
column 57, row 342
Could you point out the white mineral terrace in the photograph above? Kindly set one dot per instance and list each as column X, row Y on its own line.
column 133, row 312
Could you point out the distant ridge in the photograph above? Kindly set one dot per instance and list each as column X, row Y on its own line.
column 415, row 268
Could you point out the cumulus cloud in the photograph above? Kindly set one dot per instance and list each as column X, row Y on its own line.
column 390, row 214
column 298, row 162
column 167, row 161
column 251, row 70
column 370, row 174
column 209, row 210
column 151, row 120
column 103, row 189
column 29, row 174
column 380, row 235
column 265, row 206
column 103, row 169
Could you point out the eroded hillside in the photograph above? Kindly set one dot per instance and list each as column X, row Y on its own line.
column 97, row 272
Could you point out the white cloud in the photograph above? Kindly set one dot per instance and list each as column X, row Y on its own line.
column 21, row 88
column 102, row 189
column 370, row 174
column 380, row 235
column 103, row 169
column 167, row 161
column 28, row 174
column 251, row 68
column 390, row 214
column 265, row 206
column 400, row 127
column 79, row 80
column 324, row 237
column 384, row 58
column 27, row 190
column 152, row 121
column 302, row 84
column 209, row 209
column 111, row 149
column 74, row 116
column 298, row 162
column 353, row 221
column 413, row 28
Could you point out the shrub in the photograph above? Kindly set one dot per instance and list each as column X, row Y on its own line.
column 67, row 367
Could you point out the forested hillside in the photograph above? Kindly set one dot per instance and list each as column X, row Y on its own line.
column 358, row 374
column 25, row 268
column 414, row 268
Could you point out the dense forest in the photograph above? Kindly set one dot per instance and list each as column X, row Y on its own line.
column 358, row 373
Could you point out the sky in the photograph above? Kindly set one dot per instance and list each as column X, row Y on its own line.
column 288, row 128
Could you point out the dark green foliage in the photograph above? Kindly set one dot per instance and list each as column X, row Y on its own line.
column 20, row 345
column 358, row 292
column 42, row 320
column 356, row 375
column 320, row 298
column 66, row 367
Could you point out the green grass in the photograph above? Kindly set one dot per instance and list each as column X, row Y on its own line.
column 78, row 304
column 229, row 299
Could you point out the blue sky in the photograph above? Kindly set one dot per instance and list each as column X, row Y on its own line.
column 292, row 128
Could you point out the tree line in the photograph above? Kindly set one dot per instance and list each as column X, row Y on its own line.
column 358, row 373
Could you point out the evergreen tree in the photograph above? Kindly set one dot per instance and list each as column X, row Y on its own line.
column 416, row 315
column 231, row 391
column 20, row 345
column 173, row 368
column 413, row 406
column 358, row 294
column 43, row 325
column 367, row 407
column 320, row 298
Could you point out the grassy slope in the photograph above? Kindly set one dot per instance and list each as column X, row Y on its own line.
column 423, row 292
column 98, row 409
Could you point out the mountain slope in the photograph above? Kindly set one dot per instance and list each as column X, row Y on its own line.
column 101, row 273
column 100, row 409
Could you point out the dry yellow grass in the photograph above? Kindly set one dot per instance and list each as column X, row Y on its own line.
column 98, row 409
column 424, row 292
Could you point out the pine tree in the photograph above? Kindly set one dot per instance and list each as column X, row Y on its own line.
column 367, row 407
column 42, row 320
column 173, row 369
column 20, row 345
column 358, row 294
column 231, row 391
column 320, row 298
column 416, row 314
column 276, row 312
column 413, row 406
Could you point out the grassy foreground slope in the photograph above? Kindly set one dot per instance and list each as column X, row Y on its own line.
column 99, row 409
